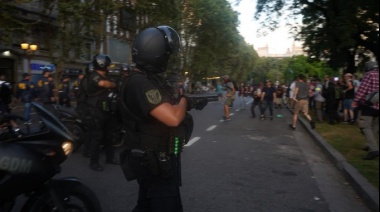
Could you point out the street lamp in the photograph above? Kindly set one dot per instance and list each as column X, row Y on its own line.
column 29, row 49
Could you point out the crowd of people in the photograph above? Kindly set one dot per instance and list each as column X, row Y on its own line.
column 333, row 100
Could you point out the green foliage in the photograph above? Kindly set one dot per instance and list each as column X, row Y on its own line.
column 285, row 70
column 213, row 46
column 8, row 24
column 332, row 30
column 348, row 140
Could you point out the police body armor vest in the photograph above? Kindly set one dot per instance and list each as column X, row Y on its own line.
column 26, row 88
column 150, row 133
column 142, row 133
column 96, row 99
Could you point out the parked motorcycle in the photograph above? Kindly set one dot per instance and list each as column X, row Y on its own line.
column 29, row 162
column 71, row 119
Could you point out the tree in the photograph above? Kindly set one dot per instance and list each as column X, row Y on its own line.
column 212, row 44
column 332, row 30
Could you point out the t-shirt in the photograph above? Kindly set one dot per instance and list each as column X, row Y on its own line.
column 269, row 91
column 229, row 87
column 303, row 90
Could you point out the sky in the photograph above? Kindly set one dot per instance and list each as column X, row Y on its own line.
column 278, row 41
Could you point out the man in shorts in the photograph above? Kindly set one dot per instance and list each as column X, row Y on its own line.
column 301, row 99
column 230, row 96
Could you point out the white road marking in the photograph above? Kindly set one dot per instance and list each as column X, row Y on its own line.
column 192, row 141
column 211, row 128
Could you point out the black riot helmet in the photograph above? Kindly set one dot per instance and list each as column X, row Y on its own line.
column 125, row 69
column 101, row 62
column 89, row 68
column 153, row 46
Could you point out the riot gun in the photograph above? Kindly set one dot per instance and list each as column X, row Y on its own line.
column 198, row 102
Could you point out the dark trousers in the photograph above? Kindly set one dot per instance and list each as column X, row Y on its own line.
column 332, row 110
column 100, row 132
column 160, row 194
column 64, row 101
column 255, row 103
column 267, row 104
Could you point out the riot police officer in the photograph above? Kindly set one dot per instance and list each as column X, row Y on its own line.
column 97, row 87
column 26, row 92
column 155, row 122
column 46, row 88
column 76, row 85
column 64, row 91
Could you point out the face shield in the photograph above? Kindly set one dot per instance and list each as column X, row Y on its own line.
column 172, row 40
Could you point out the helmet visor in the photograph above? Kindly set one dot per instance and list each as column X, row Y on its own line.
column 172, row 38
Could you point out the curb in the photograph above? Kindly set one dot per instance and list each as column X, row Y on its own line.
column 367, row 192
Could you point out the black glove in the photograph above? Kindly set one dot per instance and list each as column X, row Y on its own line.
column 196, row 103
column 189, row 101
column 199, row 104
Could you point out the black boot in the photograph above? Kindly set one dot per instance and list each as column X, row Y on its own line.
column 96, row 167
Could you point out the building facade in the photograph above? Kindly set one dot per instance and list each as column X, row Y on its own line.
column 290, row 52
column 14, row 61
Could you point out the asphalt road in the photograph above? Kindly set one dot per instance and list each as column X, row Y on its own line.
column 243, row 165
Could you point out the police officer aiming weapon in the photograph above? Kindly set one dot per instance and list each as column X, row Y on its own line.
column 157, row 123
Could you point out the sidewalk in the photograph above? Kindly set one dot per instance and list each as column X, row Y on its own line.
column 367, row 192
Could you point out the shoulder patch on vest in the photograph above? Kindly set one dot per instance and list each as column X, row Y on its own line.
column 154, row 96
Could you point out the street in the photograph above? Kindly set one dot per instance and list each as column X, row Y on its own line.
column 242, row 165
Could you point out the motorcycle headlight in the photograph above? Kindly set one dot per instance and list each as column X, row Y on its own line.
column 67, row 147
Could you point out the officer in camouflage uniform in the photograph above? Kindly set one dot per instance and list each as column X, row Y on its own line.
column 157, row 123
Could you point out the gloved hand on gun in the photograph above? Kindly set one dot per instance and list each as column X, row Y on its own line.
column 198, row 102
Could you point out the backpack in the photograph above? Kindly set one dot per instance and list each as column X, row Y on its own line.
column 372, row 98
column 236, row 87
column 5, row 92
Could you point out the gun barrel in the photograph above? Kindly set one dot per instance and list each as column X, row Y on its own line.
column 209, row 97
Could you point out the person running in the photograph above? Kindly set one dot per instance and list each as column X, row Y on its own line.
column 230, row 87
column 301, row 97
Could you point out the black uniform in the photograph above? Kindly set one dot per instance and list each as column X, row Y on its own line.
column 64, row 94
column 153, row 152
column 26, row 92
column 97, row 109
column 5, row 96
column 46, row 90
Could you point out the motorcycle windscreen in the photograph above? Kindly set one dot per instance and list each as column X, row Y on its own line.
column 52, row 122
